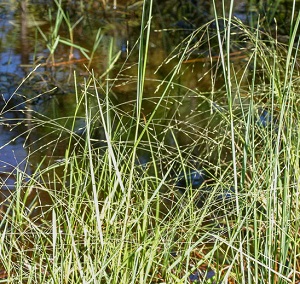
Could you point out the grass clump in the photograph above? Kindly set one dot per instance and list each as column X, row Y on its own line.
column 107, row 207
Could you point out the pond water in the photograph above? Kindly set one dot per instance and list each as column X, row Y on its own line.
column 46, row 64
column 50, row 64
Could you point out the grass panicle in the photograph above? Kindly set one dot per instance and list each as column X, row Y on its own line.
column 106, row 207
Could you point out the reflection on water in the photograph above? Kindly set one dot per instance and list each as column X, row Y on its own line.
column 120, row 30
column 5, row 61
column 183, row 121
column 13, row 158
column 14, row 164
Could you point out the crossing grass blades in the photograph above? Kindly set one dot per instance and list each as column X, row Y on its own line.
column 222, row 209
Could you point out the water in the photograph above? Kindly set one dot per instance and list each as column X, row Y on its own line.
column 37, row 116
column 49, row 93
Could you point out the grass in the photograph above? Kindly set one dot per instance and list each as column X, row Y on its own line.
column 105, row 208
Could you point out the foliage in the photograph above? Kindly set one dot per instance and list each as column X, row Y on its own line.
column 114, row 212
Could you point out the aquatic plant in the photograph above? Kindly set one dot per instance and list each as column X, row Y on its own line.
column 118, row 201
